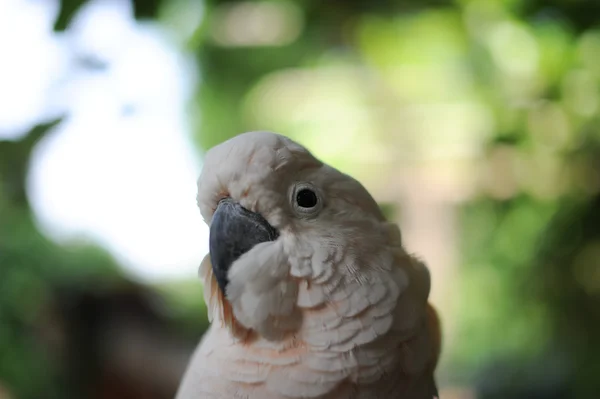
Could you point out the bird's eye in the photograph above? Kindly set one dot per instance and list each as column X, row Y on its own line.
column 306, row 198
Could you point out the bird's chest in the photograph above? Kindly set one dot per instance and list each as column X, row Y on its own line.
column 223, row 368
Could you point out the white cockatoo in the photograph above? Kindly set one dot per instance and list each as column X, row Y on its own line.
column 309, row 289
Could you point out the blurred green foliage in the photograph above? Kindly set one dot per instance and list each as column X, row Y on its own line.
column 32, row 267
column 36, row 274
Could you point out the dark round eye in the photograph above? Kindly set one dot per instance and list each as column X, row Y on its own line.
column 306, row 198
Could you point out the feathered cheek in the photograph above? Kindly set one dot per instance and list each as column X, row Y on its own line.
column 262, row 292
column 318, row 271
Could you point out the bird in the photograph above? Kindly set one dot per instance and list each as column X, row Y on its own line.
column 310, row 291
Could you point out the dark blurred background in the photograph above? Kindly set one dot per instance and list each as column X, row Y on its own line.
column 476, row 124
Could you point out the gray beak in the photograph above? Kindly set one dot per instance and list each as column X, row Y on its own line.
column 234, row 230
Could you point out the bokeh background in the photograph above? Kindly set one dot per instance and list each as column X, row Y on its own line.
column 475, row 124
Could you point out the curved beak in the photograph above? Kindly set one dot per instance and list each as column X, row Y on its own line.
column 235, row 230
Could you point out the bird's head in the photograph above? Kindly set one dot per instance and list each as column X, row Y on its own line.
column 278, row 216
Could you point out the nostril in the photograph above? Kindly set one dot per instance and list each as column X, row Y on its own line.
column 220, row 198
